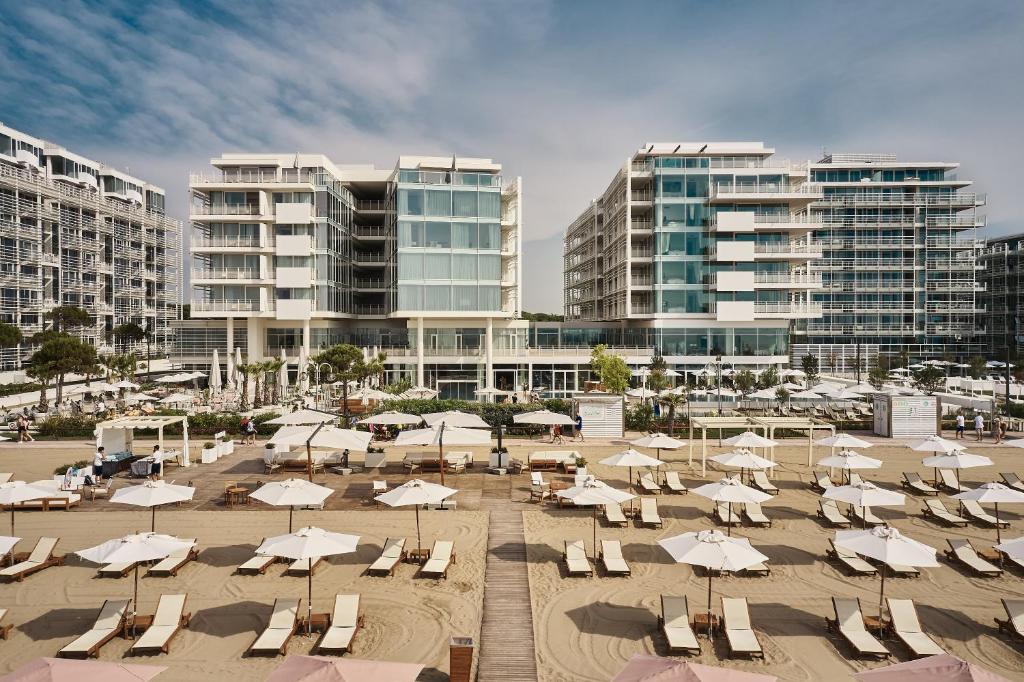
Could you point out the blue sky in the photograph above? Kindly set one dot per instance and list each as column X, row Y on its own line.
column 560, row 93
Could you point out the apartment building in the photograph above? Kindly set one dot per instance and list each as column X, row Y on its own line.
column 701, row 250
column 292, row 253
column 899, row 269
column 76, row 232
column 1001, row 298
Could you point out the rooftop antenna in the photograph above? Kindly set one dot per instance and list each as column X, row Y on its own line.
column 650, row 149
column 677, row 148
column 701, row 150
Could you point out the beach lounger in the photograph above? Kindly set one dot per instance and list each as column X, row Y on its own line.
column 611, row 557
column 304, row 566
column 829, row 510
column 937, row 510
column 849, row 623
column 673, row 483
column 976, row 512
column 41, row 557
column 864, row 515
column 392, row 553
column 821, row 481
column 257, row 565
column 724, row 516
column 345, row 623
column 170, row 617
column 1013, row 480
column 854, row 564
column 116, row 570
column 948, row 481
column 1014, row 623
column 175, row 561
column 738, row 633
column 759, row 480
column 755, row 516
column 442, row 554
column 5, row 630
column 760, row 569
column 907, row 626
column 284, row 621
column 109, row 623
column 675, row 623
column 1017, row 560
column 649, row 512
column 647, row 483
column 576, row 560
column 963, row 551
column 913, row 482
column 613, row 515
column 854, row 478
column 901, row 571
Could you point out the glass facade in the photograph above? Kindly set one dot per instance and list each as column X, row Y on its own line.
column 697, row 341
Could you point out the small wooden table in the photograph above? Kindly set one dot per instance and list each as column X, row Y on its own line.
column 318, row 622
column 875, row 624
column 990, row 554
column 137, row 625
column 700, row 623
column 238, row 494
column 417, row 556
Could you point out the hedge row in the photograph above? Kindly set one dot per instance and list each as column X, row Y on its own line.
column 492, row 413
column 198, row 425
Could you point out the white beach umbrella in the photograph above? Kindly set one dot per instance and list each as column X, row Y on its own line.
column 714, row 551
column 806, row 395
column 843, row 440
column 420, row 393
column 291, row 493
column 215, row 379
column 935, row 444
column 865, row 494
column 1015, row 443
column 596, row 494
column 543, row 417
column 790, row 386
column 307, row 544
column 936, row 668
column 416, row 493
column 749, row 439
column 848, row 460
column 631, row 458
column 177, row 398
column 124, row 383
column 391, row 417
column 743, row 459
column 230, row 381
column 372, row 394
column 320, row 436
column 443, row 434
column 153, row 494
column 16, row 492
column 282, row 379
column 1012, row 548
column 643, row 393
column 648, row 668
column 763, row 394
column 994, row 493
column 889, row 546
column 455, row 418
column 303, row 417
column 730, row 490
column 658, row 441
column 956, row 460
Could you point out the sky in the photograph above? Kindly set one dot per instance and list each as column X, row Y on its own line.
column 558, row 93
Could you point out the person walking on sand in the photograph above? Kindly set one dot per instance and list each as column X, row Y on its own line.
column 579, row 429
column 979, row 426
column 959, row 426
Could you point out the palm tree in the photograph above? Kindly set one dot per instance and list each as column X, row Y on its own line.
column 258, row 369
column 273, row 372
column 672, row 401
column 245, row 370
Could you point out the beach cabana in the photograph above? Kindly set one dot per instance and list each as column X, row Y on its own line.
column 720, row 423
column 770, row 424
column 116, row 435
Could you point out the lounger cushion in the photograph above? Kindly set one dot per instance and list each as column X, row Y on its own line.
column 280, row 627
column 676, row 623
column 440, row 558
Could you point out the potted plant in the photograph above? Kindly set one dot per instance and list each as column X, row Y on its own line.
column 209, row 453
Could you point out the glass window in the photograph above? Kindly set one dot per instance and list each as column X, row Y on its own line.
column 438, row 235
column 490, row 205
column 490, row 236
column 672, row 272
column 464, row 204
column 464, row 235
column 410, row 201
column 464, row 266
column 437, row 297
column 697, row 186
column 410, row 233
column 490, row 268
column 490, row 298
column 410, row 266
column 410, row 297
column 672, row 186
column 464, row 298
column 439, row 202
column 437, row 266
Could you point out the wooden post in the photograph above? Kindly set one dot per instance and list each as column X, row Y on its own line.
column 460, row 659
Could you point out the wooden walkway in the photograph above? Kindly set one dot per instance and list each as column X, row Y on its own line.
column 506, row 634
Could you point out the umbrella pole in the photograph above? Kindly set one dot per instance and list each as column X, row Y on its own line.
column 629, row 486
column 135, row 599
column 12, row 519
column 999, row 538
column 728, row 519
column 291, row 510
column 440, row 451
column 309, row 601
column 881, row 602
column 595, row 532
column 864, row 525
column 419, row 541
column 709, row 601
column 152, row 521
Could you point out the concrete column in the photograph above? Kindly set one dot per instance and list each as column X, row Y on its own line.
column 305, row 337
column 254, row 342
column 489, row 355
column 231, row 335
column 419, row 351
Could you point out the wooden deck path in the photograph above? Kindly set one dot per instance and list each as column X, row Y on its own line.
column 506, row 634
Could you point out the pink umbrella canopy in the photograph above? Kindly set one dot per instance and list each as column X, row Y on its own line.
column 68, row 670
column 644, row 668
column 941, row 668
column 323, row 669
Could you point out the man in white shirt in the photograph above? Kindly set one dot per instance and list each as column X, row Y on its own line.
column 979, row 426
column 157, row 469
column 97, row 464
column 959, row 426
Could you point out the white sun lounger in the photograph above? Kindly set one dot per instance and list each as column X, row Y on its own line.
column 675, row 623
column 821, row 481
column 41, row 557
column 913, row 482
column 304, row 566
column 613, row 515
column 855, row 478
column 849, row 623
column 1016, row 560
column 611, row 557
column 761, row 482
column 175, row 560
column 576, row 560
column 5, row 630
column 948, row 481
column 648, row 484
column 345, row 623
column 760, row 569
column 853, row 563
column 284, row 621
column 907, row 627
column 964, row 552
column 976, row 512
column 865, row 515
column 937, row 510
column 738, row 633
column 724, row 516
column 441, row 557
column 169, row 618
column 754, row 514
column 673, row 483
column 1014, row 623
column 829, row 510
column 1013, row 480
column 649, row 512
column 109, row 623
column 257, row 565
column 390, row 555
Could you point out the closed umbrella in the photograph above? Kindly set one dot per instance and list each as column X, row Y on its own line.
column 16, row 492
column 847, row 460
column 230, row 382
column 730, row 490
column 321, row 435
column 307, row 544
column 865, row 494
column 303, row 380
column 956, row 460
column 153, row 494
column 441, row 434
column 416, row 493
column 631, row 458
column 215, row 379
column 291, row 493
column 594, row 493
column 743, row 460
column 714, row 551
column 940, row 668
column 238, row 364
column 71, row 670
column 282, row 379
column 391, row 417
column 647, row 668
column 331, row 669
column 889, row 546
column 993, row 493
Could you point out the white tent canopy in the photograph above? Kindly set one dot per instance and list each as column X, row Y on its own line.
column 116, row 435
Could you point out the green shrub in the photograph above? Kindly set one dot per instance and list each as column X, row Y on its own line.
column 198, row 425
column 15, row 389
column 80, row 464
column 492, row 413
column 79, row 426
column 639, row 417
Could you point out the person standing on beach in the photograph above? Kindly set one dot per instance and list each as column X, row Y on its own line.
column 959, row 426
column 979, row 426
column 579, row 429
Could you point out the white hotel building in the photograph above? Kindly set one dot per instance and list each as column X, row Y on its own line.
column 291, row 252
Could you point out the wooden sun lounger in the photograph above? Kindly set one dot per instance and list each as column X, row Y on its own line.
column 913, row 482
column 675, row 624
column 760, row 569
column 854, row 478
column 647, row 483
column 755, row 516
column 901, row 571
column 1013, row 480
column 175, row 561
column 110, row 622
column 575, row 558
column 948, row 481
column 5, row 630
column 284, row 621
column 738, row 632
column 257, row 565
column 976, row 512
column 1017, row 561
column 963, row 551
column 865, row 515
column 907, row 626
column 611, row 556
column 119, row 570
column 441, row 557
column 854, row 564
column 673, row 483
column 724, row 516
column 170, row 617
column 759, row 479
column 1014, row 623
column 39, row 558
column 345, row 623
column 390, row 555
column 849, row 623
column 937, row 510
column 649, row 512
column 613, row 515
column 304, row 566
column 829, row 511
column 821, row 481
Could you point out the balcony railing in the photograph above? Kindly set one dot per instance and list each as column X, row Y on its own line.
column 225, row 273
column 791, row 247
column 787, row 308
column 224, row 305
column 641, row 195
column 225, row 209
column 794, row 278
column 368, row 257
column 369, row 231
column 369, row 310
column 806, row 188
column 905, row 199
column 370, row 284
column 250, row 242
column 370, row 204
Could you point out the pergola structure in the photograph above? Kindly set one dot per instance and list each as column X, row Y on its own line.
column 720, row 423
column 766, row 425
column 769, row 424
column 116, row 434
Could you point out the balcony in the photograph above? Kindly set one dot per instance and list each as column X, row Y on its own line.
column 642, row 196
column 641, row 225
column 370, row 204
column 955, row 200
column 224, row 305
column 226, row 273
column 228, row 242
column 371, row 284
column 807, row 191
column 369, row 232
column 226, row 209
column 749, row 221
column 369, row 310
column 787, row 310
column 791, row 250
column 369, row 258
